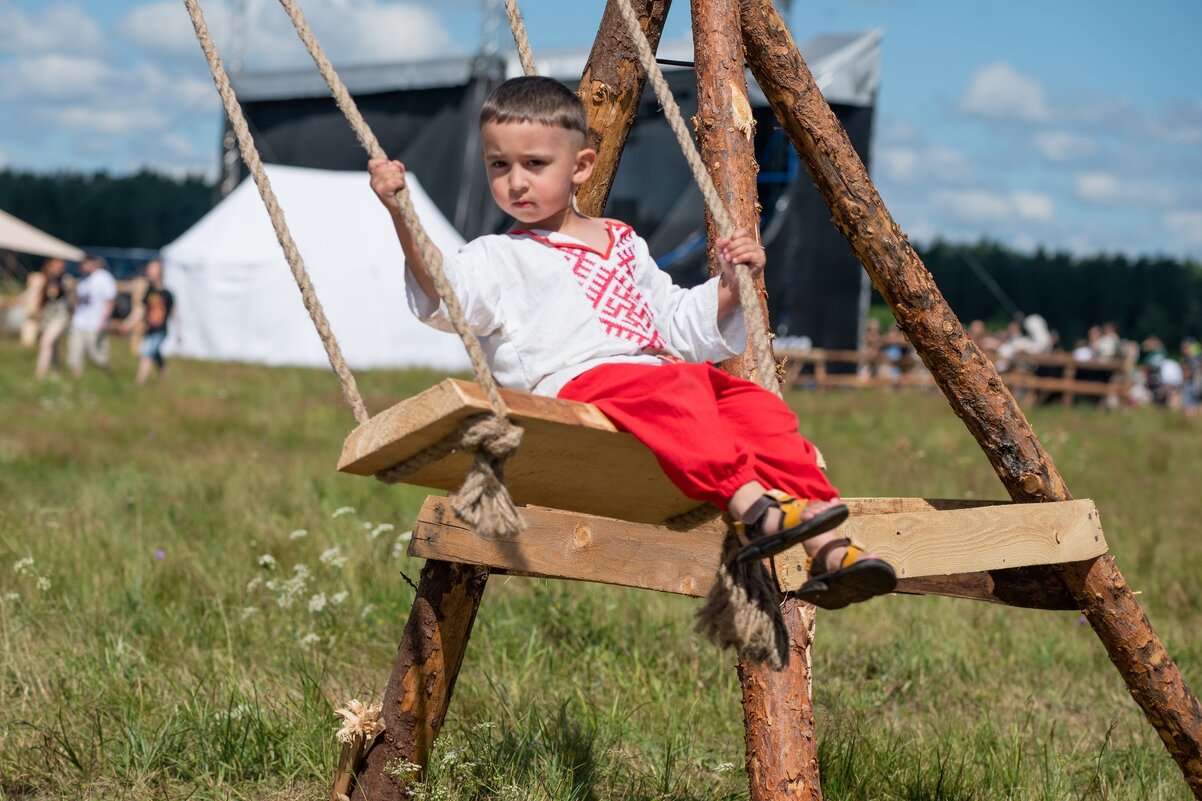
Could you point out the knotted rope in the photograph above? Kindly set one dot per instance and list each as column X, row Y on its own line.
column 250, row 155
column 525, row 54
column 742, row 609
column 483, row 501
column 757, row 327
column 491, row 509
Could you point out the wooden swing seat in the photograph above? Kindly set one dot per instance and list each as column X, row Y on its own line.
column 571, row 457
column 595, row 501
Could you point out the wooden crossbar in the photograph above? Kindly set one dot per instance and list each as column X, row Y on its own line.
column 923, row 539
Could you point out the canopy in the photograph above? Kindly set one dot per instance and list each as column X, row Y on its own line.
column 24, row 238
column 236, row 299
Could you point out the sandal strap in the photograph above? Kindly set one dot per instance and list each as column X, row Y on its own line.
column 853, row 555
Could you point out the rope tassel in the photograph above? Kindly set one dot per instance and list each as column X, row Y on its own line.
column 483, row 502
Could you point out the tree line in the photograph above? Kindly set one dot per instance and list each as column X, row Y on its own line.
column 987, row 281
column 1143, row 296
column 142, row 210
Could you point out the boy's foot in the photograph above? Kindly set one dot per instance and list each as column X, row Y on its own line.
column 848, row 575
column 778, row 521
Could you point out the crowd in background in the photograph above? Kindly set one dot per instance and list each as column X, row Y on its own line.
column 1158, row 375
column 81, row 311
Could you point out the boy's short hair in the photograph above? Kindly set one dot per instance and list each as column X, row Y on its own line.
column 534, row 98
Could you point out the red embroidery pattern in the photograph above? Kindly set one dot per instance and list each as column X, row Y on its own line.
column 608, row 283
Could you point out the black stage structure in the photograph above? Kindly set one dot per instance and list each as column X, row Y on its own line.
column 424, row 113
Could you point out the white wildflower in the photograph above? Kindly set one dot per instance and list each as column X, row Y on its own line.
column 254, row 584
column 22, row 566
column 333, row 557
column 43, row 584
column 267, row 561
column 12, row 596
column 367, row 610
column 308, row 640
column 317, row 602
column 343, row 510
column 380, row 529
column 301, row 571
column 368, row 525
column 248, row 611
column 298, row 534
column 337, row 598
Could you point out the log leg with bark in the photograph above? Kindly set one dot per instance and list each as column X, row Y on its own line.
column 967, row 378
column 782, row 757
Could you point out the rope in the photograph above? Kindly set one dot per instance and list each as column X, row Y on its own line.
column 429, row 251
column 483, row 501
column 525, row 54
column 757, row 327
column 250, row 155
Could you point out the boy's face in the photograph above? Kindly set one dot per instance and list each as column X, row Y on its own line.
column 534, row 169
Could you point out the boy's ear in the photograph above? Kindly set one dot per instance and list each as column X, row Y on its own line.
column 586, row 159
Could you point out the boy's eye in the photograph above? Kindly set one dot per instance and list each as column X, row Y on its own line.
column 497, row 165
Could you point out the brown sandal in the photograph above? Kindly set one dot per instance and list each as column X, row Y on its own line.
column 858, row 577
column 758, row 545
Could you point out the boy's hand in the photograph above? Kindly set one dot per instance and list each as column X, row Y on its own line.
column 741, row 248
column 387, row 178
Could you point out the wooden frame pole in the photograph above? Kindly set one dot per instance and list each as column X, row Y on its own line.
column 782, row 755
column 968, row 379
column 423, row 678
column 611, row 88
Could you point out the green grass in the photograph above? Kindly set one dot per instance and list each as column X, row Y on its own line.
column 208, row 673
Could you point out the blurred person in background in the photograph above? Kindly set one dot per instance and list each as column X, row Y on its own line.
column 94, row 298
column 156, row 309
column 54, row 313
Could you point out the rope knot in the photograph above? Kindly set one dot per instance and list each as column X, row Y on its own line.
column 483, row 501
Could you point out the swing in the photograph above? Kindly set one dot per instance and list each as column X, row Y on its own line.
column 577, row 470
column 609, row 502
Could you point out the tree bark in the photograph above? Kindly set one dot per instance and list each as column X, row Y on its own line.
column 423, row 677
column 782, row 756
column 968, row 379
column 610, row 88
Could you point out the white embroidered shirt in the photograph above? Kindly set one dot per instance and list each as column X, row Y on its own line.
column 548, row 307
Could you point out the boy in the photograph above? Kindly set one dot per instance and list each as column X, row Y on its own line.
column 573, row 306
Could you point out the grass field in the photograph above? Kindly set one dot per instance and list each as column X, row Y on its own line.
column 188, row 589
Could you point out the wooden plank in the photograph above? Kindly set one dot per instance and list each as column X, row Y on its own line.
column 571, row 456
column 925, row 538
column 969, row 540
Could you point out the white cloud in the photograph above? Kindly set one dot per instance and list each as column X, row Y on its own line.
column 60, row 27
column 1033, row 205
column 1060, row 146
column 933, row 164
column 999, row 91
column 1098, row 187
column 53, row 77
column 164, row 27
column 101, row 122
column 981, row 206
column 1186, row 227
column 976, row 205
column 349, row 31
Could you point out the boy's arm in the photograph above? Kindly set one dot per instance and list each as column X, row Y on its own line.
column 739, row 248
column 388, row 178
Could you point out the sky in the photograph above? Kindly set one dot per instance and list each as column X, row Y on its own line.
column 1067, row 125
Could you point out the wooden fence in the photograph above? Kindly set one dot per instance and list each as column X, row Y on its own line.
column 1032, row 377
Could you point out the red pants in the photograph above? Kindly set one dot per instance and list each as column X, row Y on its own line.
column 712, row 433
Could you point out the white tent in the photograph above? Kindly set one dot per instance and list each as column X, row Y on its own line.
column 24, row 238
column 236, row 299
